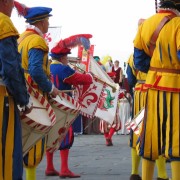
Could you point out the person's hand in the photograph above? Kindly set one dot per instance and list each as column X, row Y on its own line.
column 28, row 108
column 54, row 92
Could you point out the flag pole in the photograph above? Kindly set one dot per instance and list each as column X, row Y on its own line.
column 156, row 5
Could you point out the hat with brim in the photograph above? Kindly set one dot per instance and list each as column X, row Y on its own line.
column 35, row 14
column 57, row 52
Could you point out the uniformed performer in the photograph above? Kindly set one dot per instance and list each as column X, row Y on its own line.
column 13, row 92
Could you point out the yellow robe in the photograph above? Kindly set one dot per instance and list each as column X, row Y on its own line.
column 27, row 41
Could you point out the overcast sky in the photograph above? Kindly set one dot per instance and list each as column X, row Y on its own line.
column 113, row 23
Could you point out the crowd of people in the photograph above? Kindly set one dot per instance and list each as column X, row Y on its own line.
column 152, row 74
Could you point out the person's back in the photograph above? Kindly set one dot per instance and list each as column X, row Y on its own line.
column 162, row 100
column 165, row 62
column 142, row 41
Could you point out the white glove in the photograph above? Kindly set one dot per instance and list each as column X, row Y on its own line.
column 28, row 106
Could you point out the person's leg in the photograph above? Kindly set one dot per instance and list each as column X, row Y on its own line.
column 65, row 172
column 50, row 170
column 106, row 135
column 109, row 137
column 108, row 141
column 175, row 169
column 111, row 132
column 147, row 169
column 64, row 155
column 161, row 168
column 135, row 165
column 135, row 161
column 31, row 173
column 33, row 158
column 11, row 166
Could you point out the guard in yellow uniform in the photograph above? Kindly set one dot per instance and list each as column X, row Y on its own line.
column 13, row 92
column 160, row 131
column 34, row 52
column 137, row 79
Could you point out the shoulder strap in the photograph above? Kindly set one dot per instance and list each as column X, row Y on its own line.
column 157, row 31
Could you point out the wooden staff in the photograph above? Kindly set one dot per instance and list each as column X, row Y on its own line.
column 156, row 6
column 100, row 80
column 91, row 121
column 65, row 91
column 37, row 107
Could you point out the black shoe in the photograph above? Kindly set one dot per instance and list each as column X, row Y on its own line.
column 109, row 142
column 135, row 177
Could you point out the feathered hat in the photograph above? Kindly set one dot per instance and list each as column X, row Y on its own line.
column 63, row 47
column 32, row 14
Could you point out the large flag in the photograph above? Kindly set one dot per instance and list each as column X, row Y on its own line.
column 108, row 104
column 101, row 98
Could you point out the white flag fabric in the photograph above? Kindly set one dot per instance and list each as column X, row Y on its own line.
column 95, row 68
column 53, row 36
column 136, row 122
column 107, row 107
column 88, row 96
column 100, row 99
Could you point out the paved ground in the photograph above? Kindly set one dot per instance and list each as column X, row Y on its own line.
column 94, row 161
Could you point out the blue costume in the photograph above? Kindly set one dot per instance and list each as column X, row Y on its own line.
column 64, row 77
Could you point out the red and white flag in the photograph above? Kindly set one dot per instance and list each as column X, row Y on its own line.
column 88, row 96
column 53, row 36
column 99, row 99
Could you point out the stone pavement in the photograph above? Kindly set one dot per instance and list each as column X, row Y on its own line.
column 94, row 161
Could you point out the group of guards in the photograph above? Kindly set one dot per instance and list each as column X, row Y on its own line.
column 153, row 70
column 24, row 59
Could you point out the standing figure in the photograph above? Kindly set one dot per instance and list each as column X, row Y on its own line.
column 34, row 52
column 109, row 129
column 160, row 130
column 64, row 77
column 109, row 66
column 13, row 92
column 137, row 79
column 119, row 73
column 125, row 101
column 97, row 59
